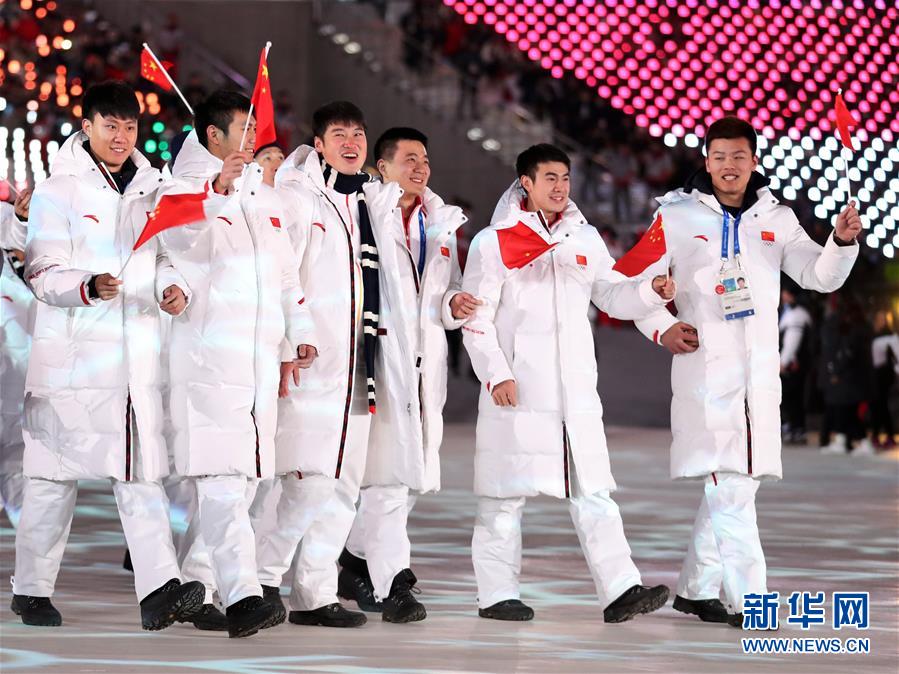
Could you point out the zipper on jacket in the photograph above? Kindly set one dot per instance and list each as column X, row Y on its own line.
column 258, row 455
column 748, row 436
column 352, row 361
column 128, row 438
column 565, row 460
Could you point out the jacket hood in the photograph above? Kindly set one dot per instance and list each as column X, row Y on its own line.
column 509, row 206
column 194, row 161
column 301, row 165
column 73, row 160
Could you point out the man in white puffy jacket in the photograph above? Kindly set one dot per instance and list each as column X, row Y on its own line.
column 92, row 401
column 540, row 428
column 225, row 351
column 323, row 425
column 725, row 417
column 17, row 307
column 421, row 298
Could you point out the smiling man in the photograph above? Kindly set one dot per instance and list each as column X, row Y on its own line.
column 540, row 427
column 92, row 389
column 728, row 239
column 324, row 414
column 421, row 299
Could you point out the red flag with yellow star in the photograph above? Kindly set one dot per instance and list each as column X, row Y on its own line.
column 151, row 69
column 650, row 248
column 263, row 104
column 173, row 210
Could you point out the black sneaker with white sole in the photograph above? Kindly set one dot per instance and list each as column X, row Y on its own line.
column 707, row 610
column 635, row 600
column 508, row 609
column 400, row 606
column 38, row 611
column 332, row 615
column 172, row 602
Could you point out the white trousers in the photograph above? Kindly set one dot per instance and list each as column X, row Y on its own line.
column 334, row 503
column 725, row 546
column 193, row 554
column 12, row 492
column 496, row 547
column 47, row 519
column 224, row 519
column 379, row 533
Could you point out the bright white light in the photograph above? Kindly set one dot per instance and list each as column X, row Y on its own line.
column 805, row 173
column 820, row 212
column 831, row 174
column 31, row 116
column 872, row 241
column 870, row 154
column 670, row 139
column 807, row 144
column 768, row 161
column 880, row 231
column 783, row 172
column 877, row 144
column 789, row 192
column 65, row 129
column 888, row 250
column 18, row 133
column 491, row 145
column 777, row 152
column 796, row 182
column 814, row 194
column 815, row 163
column 692, row 140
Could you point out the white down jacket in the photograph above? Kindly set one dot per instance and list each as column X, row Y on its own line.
column 533, row 328
column 313, row 419
column 17, row 307
column 731, row 384
column 225, row 350
column 407, row 430
column 92, row 402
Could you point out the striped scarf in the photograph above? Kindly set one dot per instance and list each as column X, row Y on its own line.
column 345, row 184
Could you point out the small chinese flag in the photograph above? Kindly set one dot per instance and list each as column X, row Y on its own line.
column 521, row 245
column 650, row 248
column 845, row 121
column 151, row 69
column 263, row 105
column 173, row 210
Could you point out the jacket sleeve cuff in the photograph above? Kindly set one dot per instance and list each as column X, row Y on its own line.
column 449, row 321
column 656, row 324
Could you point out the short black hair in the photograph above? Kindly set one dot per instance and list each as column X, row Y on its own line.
column 527, row 161
column 385, row 146
column 110, row 99
column 731, row 127
column 335, row 113
column 218, row 111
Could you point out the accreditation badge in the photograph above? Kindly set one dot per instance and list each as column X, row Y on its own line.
column 734, row 294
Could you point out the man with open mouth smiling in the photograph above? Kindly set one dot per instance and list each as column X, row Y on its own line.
column 728, row 240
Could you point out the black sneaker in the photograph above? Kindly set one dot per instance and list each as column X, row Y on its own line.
column 126, row 562
column 249, row 615
column 36, row 610
column 351, row 562
column 636, row 600
column 173, row 601
column 509, row 609
column 209, row 618
column 735, row 620
column 400, row 606
column 354, row 587
column 332, row 615
column 708, row 610
column 272, row 595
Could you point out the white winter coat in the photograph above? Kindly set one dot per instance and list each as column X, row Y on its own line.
column 92, row 403
column 225, row 350
column 734, row 376
column 533, row 327
column 17, row 307
column 407, row 430
column 313, row 418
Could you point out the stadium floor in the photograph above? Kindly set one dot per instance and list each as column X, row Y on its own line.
column 831, row 525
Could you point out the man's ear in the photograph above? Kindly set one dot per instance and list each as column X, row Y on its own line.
column 213, row 135
column 318, row 144
column 381, row 165
column 526, row 183
column 86, row 127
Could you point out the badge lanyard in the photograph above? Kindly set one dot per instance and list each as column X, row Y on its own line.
column 725, row 240
column 421, row 243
